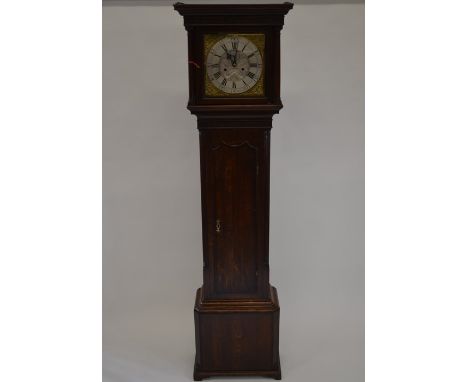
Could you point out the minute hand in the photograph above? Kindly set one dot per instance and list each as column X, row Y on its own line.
column 235, row 56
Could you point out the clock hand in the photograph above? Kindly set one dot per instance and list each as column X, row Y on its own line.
column 228, row 56
column 235, row 56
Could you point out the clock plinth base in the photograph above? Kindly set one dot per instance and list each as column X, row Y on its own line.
column 199, row 375
column 237, row 338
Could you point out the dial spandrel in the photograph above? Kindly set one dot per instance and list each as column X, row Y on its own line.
column 234, row 65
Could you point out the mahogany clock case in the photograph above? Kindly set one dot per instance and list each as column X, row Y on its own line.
column 236, row 309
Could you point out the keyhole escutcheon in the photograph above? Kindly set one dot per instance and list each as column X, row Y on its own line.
column 218, row 225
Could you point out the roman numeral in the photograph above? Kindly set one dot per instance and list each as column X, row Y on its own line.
column 233, row 85
column 217, row 75
column 234, row 44
column 212, row 65
column 225, row 48
column 251, row 75
column 253, row 65
column 224, row 82
column 251, row 54
column 245, row 46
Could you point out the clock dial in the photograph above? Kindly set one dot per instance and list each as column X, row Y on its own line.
column 234, row 64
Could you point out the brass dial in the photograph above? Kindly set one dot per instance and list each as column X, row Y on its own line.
column 234, row 64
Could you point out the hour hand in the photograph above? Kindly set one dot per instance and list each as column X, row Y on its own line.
column 228, row 56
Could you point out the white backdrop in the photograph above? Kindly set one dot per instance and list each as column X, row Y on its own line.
column 152, row 257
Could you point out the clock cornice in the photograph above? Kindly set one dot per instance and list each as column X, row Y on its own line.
column 209, row 14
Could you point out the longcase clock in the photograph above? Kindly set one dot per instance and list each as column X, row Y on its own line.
column 234, row 90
